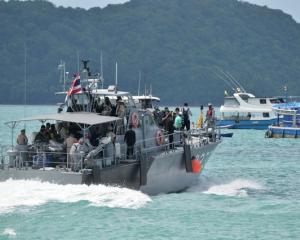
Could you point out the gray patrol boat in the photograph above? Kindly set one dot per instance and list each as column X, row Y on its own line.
column 100, row 157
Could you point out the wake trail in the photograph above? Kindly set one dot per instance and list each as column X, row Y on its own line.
column 234, row 188
column 31, row 193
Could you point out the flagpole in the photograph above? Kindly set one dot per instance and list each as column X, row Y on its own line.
column 116, row 77
column 25, row 81
column 101, row 70
column 140, row 76
column 78, row 61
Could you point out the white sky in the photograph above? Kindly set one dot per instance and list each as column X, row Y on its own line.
column 291, row 7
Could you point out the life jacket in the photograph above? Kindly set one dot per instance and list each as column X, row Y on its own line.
column 209, row 113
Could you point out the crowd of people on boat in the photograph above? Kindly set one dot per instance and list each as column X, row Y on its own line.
column 179, row 119
column 102, row 107
column 71, row 138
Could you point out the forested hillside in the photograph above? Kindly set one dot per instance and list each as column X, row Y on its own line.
column 180, row 47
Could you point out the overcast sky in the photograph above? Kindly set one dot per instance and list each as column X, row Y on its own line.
column 291, row 7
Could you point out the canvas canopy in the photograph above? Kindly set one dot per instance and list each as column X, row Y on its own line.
column 74, row 117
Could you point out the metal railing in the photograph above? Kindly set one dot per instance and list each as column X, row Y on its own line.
column 102, row 156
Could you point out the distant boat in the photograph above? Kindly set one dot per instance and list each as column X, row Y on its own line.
column 243, row 110
column 230, row 134
column 288, row 121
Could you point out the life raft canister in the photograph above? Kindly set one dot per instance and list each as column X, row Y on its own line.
column 134, row 120
column 159, row 138
column 196, row 165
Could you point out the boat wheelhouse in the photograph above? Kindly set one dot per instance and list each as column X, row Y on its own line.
column 146, row 101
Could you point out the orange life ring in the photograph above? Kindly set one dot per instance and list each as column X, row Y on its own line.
column 134, row 120
column 159, row 138
column 196, row 165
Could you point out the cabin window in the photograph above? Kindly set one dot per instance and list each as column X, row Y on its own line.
column 266, row 115
column 277, row 100
column 231, row 102
column 263, row 101
column 245, row 97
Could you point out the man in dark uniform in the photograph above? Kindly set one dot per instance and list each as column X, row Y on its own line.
column 129, row 139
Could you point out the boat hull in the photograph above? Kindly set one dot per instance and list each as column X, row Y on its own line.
column 283, row 132
column 247, row 124
column 165, row 172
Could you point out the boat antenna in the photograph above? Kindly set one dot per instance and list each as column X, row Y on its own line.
column 234, row 84
column 285, row 88
column 226, row 81
column 78, row 65
column 62, row 69
column 140, row 76
column 236, row 81
column 101, row 70
column 25, row 81
column 116, row 77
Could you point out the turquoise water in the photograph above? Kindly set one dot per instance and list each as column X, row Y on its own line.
column 250, row 189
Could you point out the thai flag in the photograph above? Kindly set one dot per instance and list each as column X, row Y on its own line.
column 75, row 86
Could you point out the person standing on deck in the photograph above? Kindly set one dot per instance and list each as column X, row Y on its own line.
column 130, row 139
column 69, row 143
column 186, row 113
column 210, row 118
column 178, row 120
column 200, row 118
column 22, row 146
column 210, row 115
column 22, row 138
column 170, row 129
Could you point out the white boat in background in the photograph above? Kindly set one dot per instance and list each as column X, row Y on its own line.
column 243, row 110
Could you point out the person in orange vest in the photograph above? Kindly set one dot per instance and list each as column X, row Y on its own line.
column 210, row 118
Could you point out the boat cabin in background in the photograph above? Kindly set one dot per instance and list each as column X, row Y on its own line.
column 288, row 121
column 245, row 111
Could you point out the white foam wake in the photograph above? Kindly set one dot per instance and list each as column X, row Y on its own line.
column 9, row 232
column 238, row 187
column 29, row 193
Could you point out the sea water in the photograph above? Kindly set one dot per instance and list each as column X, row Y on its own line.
column 249, row 189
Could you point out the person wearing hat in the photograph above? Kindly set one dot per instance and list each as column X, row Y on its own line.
column 22, row 138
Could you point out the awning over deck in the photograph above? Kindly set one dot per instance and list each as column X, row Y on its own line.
column 74, row 117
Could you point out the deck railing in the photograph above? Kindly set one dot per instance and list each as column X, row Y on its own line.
column 40, row 157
